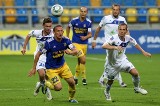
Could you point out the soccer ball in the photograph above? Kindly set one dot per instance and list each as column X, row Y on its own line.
column 57, row 10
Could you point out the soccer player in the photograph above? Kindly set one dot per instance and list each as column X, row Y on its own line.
column 41, row 36
column 56, row 67
column 81, row 27
column 117, row 60
column 110, row 24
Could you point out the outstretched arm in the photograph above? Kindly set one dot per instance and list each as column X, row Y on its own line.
column 33, row 70
column 67, row 31
column 143, row 52
column 23, row 51
column 95, row 37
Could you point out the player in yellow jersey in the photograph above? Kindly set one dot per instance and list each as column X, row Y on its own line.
column 81, row 27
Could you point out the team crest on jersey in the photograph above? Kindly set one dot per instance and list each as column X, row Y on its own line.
column 64, row 44
column 76, row 24
column 84, row 25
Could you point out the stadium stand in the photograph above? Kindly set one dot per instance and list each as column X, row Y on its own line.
column 84, row 2
column 140, row 3
column 35, row 18
column 74, row 12
column 73, row 2
column 27, row 11
column 65, row 19
column 22, row 18
column 107, row 11
column 62, row 2
column 142, row 18
column 150, row 2
column 129, row 3
column 95, row 3
column 9, row 18
column 158, row 2
column 131, row 15
column 153, row 15
column 106, row 3
column 8, row 2
column 99, row 12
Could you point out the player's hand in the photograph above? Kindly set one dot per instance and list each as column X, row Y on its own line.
column 147, row 54
column 32, row 72
column 119, row 48
column 67, row 52
column 83, row 37
column 94, row 45
column 23, row 51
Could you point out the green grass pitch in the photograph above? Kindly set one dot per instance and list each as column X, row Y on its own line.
column 16, row 89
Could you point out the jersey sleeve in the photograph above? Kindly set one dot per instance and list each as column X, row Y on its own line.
column 32, row 33
column 90, row 27
column 101, row 24
column 44, row 47
column 70, row 45
column 70, row 24
column 132, row 41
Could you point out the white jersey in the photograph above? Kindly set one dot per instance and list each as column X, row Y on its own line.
column 111, row 25
column 115, row 56
column 40, row 38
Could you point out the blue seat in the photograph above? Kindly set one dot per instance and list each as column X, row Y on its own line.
column 84, row 2
column 120, row 2
column 99, row 12
column 129, row 3
column 142, row 11
column 35, row 18
column 106, row 3
column 73, row 2
column 22, row 18
column 62, row 2
column 150, row 2
column 2, row 17
column 19, row 2
column 140, row 2
column 51, row 2
column 32, row 2
column 54, row 19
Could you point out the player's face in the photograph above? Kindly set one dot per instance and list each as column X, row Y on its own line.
column 115, row 11
column 122, row 30
column 83, row 12
column 58, row 33
column 47, row 27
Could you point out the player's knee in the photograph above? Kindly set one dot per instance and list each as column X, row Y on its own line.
column 57, row 88
column 82, row 60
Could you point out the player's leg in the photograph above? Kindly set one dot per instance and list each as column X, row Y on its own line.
column 119, row 78
column 103, row 79
column 136, row 82
column 128, row 67
column 83, row 62
column 110, row 75
column 67, row 75
column 41, row 72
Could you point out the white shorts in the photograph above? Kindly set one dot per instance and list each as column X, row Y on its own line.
column 124, row 66
column 40, row 65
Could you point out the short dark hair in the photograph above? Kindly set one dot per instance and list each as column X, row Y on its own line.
column 116, row 5
column 123, row 24
column 47, row 20
column 57, row 26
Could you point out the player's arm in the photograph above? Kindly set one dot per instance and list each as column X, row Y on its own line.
column 95, row 37
column 110, row 47
column 33, row 70
column 67, row 31
column 143, row 51
column 23, row 51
